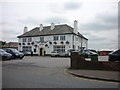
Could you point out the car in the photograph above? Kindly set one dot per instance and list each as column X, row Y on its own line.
column 4, row 55
column 15, row 53
column 114, row 56
column 65, row 54
column 25, row 53
column 54, row 54
column 87, row 53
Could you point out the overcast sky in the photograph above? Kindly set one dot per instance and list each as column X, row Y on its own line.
column 98, row 19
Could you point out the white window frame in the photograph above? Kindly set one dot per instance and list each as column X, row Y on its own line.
column 27, row 48
column 55, row 38
column 62, row 37
column 42, row 39
column 59, row 48
column 29, row 39
column 24, row 39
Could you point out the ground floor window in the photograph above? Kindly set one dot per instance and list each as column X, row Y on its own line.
column 35, row 50
column 27, row 48
column 59, row 49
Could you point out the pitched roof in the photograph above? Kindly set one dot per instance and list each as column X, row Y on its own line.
column 59, row 29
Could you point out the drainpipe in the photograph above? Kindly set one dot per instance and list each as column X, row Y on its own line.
column 81, row 42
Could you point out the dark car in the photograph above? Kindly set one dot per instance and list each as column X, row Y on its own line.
column 114, row 56
column 25, row 53
column 4, row 55
column 15, row 53
column 87, row 53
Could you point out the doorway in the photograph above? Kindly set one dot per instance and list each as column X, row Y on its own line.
column 41, row 51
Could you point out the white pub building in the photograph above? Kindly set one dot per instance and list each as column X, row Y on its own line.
column 45, row 39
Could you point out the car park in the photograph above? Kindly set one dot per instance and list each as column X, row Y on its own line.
column 4, row 55
column 114, row 56
column 87, row 53
column 15, row 53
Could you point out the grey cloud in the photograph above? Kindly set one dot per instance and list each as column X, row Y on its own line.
column 111, row 19
column 72, row 5
column 5, row 23
column 57, row 20
column 9, row 36
column 98, row 26
column 102, row 22
column 30, row 20
column 95, row 38
column 10, row 31
column 68, row 6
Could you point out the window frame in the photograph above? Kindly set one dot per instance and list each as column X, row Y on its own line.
column 42, row 39
column 24, row 39
column 59, row 48
column 55, row 38
column 27, row 48
column 29, row 39
column 63, row 38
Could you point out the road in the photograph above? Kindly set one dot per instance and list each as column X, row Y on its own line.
column 45, row 72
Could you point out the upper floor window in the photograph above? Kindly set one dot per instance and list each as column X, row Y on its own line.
column 24, row 39
column 77, row 38
column 62, row 37
column 41, row 39
column 29, row 39
column 55, row 38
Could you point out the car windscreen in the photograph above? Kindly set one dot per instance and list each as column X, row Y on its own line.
column 2, row 51
column 116, row 52
column 92, row 52
column 14, row 50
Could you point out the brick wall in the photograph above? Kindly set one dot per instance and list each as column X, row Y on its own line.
column 78, row 62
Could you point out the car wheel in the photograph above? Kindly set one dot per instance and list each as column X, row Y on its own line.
column 21, row 57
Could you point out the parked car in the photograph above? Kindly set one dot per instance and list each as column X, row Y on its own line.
column 54, row 54
column 15, row 53
column 65, row 54
column 114, row 56
column 25, row 53
column 4, row 55
column 87, row 53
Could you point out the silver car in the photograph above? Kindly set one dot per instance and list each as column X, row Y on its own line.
column 65, row 54
column 54, row 54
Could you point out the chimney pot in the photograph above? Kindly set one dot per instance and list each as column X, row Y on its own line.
column 41, row 27
column 25, row 29
column 52, row 26
column 76, row 26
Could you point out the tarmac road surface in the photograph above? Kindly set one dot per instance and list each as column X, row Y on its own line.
column 45, row 72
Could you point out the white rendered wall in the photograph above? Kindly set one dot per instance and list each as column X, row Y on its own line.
column 49, row 48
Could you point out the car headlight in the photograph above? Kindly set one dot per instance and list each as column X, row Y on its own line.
column 16, row 54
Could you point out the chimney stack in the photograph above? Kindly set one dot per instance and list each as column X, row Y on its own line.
column 52, row 26
column 25, row 29
column 41, row 27
column 76, row 26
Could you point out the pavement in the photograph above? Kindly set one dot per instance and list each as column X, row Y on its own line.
column 112, row 76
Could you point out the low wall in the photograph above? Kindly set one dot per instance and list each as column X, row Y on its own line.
column 78, row 62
